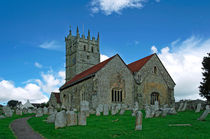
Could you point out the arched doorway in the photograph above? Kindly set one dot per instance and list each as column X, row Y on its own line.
column 154, row 97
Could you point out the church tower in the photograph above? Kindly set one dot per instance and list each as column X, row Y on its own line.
column 81, row 53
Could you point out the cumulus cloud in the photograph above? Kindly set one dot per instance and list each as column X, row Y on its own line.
column 34, row 89
column 38, row 65
column 52, row 45
column 183, row 61
column 114, row 6
column 30, row 91
column 103, row 57
column 154, row 49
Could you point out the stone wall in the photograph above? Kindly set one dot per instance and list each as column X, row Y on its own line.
column 114, row 75
column 154, row 82
column 72, row 96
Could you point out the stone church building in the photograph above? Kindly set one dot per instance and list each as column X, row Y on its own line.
column 112, row 81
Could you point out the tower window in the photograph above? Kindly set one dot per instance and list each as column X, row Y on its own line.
column 92, row 49
column 84, row 47
column 88, row 57
column 155, row 70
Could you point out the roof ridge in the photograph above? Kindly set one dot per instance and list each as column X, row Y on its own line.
column 87, row 72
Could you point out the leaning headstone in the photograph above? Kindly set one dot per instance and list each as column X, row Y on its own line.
column 106, row 109
column 71, row 118
column 7, row 111
column 51, row 118
column 204, row 115
column 100, row 107
column 39, row 112
column 138, row 120
column 19, row 112
column 180, row 106
column 198, row 107
column 82, row 118
column 185, row 106
column 45, row 110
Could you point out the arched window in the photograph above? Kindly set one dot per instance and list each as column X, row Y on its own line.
column 155, row 70
column 154, row 97
column 116, row 95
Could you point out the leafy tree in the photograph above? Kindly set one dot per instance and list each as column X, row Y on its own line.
column 12, row 103
column 205, row 84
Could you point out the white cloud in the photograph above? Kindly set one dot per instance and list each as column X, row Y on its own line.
column 30, row 91
column 114, row 6
column 154, row 49
column 34, row 89
column 103, row 57
column 184, row 65
column 157, row 0
column 38, row 65
column 51, row 45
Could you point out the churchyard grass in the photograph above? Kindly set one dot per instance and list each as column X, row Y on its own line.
column 123, row 127
column 5, row 130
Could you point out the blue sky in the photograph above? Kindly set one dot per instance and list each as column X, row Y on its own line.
column 32, row 37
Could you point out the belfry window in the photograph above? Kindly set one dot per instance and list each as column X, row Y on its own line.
column 155, row 70
column 84, row 47
column 154, row 97
column 92, row 49
column 116, row 95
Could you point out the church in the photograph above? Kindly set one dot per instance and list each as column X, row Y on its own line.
column 112, row 81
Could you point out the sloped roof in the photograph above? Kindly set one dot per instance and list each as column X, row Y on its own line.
column 57, row 96
column 86, row 73
column 137, row 65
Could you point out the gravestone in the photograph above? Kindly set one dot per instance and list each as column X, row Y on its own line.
column 92, row 111
column 60, row 119
column 51, row 118
column 51, row 111
column 29, row 111
column 158, row 113
column 164, row 112
column 138, row 120
column 198, row 107
column 148, row 112
column 45, row 110
column 113, row 110
column 100, row 107
column 185, row 106
column 39, row 112
column 171, row 111
column 2, row 117
column 122, row 111
column 25, row 111
column 7, row 111
column 180, row 106
column 19, row 112
column 106, row 109
column 207, row 107
column 156, row 106
column 71, row 118
column 82, row 118
column 117, row 108
column 204, row 115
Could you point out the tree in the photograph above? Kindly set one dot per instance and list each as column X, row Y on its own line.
column 205, row 84
column 12, row 103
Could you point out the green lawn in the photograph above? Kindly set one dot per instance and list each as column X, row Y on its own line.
column 104, row 127
column 5, row 131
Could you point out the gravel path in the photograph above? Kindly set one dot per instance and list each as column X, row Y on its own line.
column 22, row 130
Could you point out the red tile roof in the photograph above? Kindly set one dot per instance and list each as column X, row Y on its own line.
column 87, row 72
column 57, row 96
column 137, row 65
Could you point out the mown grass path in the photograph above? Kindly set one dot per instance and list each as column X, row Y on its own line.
column 104, row 127
column 5, row 130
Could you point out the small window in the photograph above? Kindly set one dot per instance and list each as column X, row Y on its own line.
column 116, row 95
column 88, row 57
column 92, row 49
column 155, row 70
column 84, row 47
